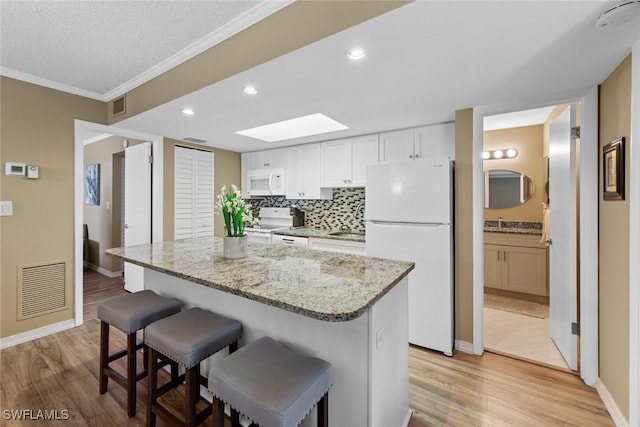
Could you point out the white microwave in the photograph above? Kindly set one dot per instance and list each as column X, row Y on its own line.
column 266, row 182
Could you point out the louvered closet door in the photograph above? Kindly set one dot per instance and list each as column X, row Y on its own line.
column 194, row 198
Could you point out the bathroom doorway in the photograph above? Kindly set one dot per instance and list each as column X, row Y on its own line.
column 517, row 295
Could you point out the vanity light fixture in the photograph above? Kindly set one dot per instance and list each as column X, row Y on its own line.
column 356, row 53
column 250, row 90
column 188, row 112
column 509, row 153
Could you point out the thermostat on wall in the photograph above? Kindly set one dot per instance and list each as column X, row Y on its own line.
column 14, row 169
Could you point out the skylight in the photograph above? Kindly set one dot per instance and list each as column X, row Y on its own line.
column 313, row 124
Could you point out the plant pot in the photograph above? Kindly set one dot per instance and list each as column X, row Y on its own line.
column 234, row 247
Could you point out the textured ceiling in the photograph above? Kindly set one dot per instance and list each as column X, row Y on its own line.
column 97, row 46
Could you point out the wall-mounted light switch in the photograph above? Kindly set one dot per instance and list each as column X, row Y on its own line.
column 6, row 208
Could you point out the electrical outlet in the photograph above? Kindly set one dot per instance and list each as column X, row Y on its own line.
column 6, row 208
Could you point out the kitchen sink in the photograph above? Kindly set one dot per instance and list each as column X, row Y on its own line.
column 347, row 233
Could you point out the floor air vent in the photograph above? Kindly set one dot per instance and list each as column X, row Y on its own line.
column 41, row 289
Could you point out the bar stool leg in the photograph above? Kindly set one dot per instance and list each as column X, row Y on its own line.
column 235, row 418
column 192, row 393
column 152, row 386
column 219, row 416
column 131, row 374
column 323, row 411
column 104, row 355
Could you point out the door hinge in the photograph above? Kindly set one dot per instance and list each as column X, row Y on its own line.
column 575, row 329
column 575, row 132
column 150, row 159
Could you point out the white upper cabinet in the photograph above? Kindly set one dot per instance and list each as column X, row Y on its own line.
column 303, row 173
column 267, row 159
column 425, row 142
column 344, row 161
column 435, row 141
column 397, row 146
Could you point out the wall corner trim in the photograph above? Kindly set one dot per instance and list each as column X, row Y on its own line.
column 611, row 405
column 464, row 346
column 33, row 334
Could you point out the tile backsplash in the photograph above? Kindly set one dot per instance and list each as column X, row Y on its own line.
column 326, row 214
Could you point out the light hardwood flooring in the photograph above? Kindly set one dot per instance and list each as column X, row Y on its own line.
column 60, row 372
column 521, row 336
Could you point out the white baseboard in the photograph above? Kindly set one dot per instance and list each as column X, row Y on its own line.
column 103, row 271
column 407, row 418
column 33, row 334
column 611, row 405
column 464, row 346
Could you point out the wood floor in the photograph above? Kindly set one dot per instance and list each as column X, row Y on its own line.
column 59, row 372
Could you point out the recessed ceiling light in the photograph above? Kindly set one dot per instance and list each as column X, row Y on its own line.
column 188, row 112
column 356, row 53
column 313, row 124
column 250, row 90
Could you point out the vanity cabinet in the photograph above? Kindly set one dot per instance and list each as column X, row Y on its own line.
column 344, row 161
column 516, row 263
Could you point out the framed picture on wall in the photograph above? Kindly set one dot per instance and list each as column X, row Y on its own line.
column 92, row 184
column 613, row 170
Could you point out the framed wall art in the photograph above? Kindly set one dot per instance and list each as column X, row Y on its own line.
column 613, row 170
column 92, row 184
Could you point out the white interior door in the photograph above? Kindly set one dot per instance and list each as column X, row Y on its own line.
column 563, row 233
column 137, row 208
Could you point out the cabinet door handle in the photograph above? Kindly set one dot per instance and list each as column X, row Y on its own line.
column 411, row 156
column 498, row 253
column 505, row 256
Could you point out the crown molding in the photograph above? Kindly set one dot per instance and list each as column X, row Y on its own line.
column 250, row 17
column 19, row 75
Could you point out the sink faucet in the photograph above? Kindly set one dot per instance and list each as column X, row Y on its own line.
column 359, row 206
column 500, row 220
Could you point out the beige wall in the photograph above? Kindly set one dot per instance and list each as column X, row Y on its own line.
column 226, row 171
column 293, row 27
column 464, row 225
column 37, row 127
column 528, row 141
column 615, row 121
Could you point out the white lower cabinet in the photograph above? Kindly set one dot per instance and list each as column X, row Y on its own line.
column 339, row 246
column 295, row 241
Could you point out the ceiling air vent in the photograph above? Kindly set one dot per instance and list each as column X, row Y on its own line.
column 119, row 106
column 195, row 140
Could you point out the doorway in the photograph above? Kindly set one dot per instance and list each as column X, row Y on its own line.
column 586, row 272
column 86, row 132
column 517, row 153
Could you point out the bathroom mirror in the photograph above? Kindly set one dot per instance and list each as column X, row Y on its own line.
column 506, row 188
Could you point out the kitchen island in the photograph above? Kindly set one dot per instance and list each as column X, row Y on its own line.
column 348, row 310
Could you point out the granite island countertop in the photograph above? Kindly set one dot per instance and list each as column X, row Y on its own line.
column 322, row 285
column 320, row 233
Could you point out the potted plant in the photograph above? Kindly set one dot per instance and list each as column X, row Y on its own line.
column 236, row 213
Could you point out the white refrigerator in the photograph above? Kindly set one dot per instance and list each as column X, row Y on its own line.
column 409, row 217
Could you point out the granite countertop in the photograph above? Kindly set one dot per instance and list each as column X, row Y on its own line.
column 513, row 227
column 321, row 285
column 321, row 233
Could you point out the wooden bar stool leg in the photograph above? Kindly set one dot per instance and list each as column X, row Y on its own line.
column 192, row 393
column 131, row 374
column 235, row 418
column 323, row 411
column 152, row 386
column 218, row 406
column 104, row 356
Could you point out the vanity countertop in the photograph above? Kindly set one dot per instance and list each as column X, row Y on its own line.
column 513, row 227
column 511, row 230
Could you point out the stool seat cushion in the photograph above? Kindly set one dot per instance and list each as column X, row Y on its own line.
column 192, row 335
column 269, row 383
column 134, row 311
